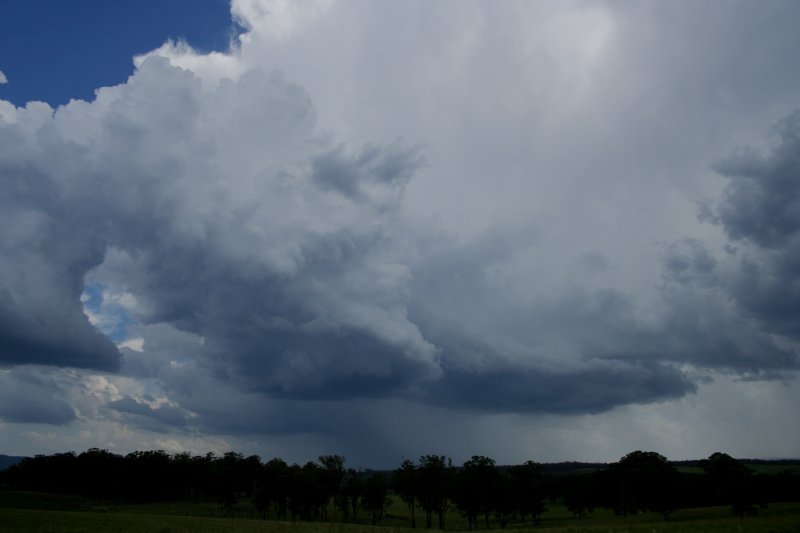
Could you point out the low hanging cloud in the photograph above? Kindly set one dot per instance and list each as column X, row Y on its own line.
column 750, row 293
column 760, row 212
column 32, row 397
column 160, row 417
column 592, row 388
column 271, row 273
column 761, row 203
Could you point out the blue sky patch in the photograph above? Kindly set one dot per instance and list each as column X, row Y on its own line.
column 54, row 51
column 109, row 316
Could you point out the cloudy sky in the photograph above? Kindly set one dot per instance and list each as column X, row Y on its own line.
column 530, row 230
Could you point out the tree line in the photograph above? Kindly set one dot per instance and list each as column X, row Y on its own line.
column 484, row 493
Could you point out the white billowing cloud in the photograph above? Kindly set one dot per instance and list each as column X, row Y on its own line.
column 275, row 18
column 364, row 212
column 3, row 78
column 136, row 344
column 7, row 111
column 210, row 67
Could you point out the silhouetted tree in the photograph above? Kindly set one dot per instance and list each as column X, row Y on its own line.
column 100, row 473
column 640, row 481
column 731, row 483
column 331, row 478
column 307, row 495
column 434, row 486
column 276, row 481
column 579, row 493
column 405, row 483
column 150, row 476
column 375, row 496
column 296, row 491
column 644, row 481
column 504, row 498
column 474, row 488
column 224, row 480
column 349, row 495
column 46, row 473
column 526, row 488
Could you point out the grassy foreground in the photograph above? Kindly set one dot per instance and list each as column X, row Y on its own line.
column 20, row 512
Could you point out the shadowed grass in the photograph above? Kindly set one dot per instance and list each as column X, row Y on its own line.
column 51, row 513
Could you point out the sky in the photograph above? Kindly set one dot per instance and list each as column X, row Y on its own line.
column 530, row 230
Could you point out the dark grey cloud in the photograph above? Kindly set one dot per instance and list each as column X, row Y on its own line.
column 29, row 396
column 689, row 262
column 577, row 351
column 771, row 294
column 760, row 212
column 761, row 202
column 703, row 328
column 595, row 388
column 374, row 166
column 44, row 253
column 160, row 417
column 582, row 350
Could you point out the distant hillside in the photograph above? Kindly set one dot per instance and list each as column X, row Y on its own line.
column 572, row 468
column 8, row 460
column 693, row 466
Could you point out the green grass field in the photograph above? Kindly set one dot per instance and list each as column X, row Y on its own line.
column 757, row 468
column 23, row 512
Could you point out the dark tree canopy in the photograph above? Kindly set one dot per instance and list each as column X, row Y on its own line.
column 486, row 494
column 730, row 483
column 644, row 481
column 405, row 484
column 375, row 496
column 476, row 485
column 435, row 473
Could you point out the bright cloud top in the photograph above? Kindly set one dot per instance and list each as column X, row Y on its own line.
column 468, row 220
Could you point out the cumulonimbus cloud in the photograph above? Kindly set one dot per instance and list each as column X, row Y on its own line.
column 235, row 220
column 264, row 255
